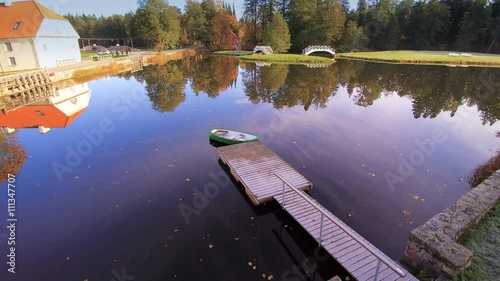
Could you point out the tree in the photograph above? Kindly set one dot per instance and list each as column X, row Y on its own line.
column 430, row 24
column 223, row 25
column 195, row 19
column 353, row 38
column 276, row 34
column 474, row 26
column 251, row 15
column 392, row 35
column 158, row 23
column 361, row 11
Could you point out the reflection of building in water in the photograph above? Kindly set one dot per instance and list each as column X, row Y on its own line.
column 57, row 111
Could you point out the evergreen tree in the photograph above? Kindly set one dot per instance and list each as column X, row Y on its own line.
column 276, row 34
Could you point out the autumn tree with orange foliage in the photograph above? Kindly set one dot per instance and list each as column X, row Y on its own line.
column 12, row 156
column 223, row 26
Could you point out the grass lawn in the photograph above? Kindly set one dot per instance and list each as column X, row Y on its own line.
column 426, row 57
column 88, row 54
column 233, row 53
column 484, row 241
column 289, row 58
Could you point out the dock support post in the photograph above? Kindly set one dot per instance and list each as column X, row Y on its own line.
column 321, row 230
column 376, row 271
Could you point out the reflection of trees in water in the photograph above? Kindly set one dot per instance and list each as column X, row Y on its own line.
column 433, row 89
column 12, row 156
column 164, row 85
column 289, row 85
column 212, row 75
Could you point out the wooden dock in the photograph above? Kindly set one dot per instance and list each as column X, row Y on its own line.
column 266, row 176
column 358, row 256
column 253, row 164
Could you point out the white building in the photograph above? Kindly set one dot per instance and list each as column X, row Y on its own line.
column 32, row 36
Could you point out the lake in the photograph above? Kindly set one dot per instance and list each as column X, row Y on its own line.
column 99, row 195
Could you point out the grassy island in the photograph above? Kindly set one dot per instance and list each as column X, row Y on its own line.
column 288, row 58
column 426, row 57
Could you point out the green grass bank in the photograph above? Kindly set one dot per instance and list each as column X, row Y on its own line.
column 483, row 240
column 426, row 57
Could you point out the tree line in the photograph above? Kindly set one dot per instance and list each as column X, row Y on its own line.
column 464, row 25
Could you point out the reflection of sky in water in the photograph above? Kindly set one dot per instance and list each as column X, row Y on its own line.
column 121, row 202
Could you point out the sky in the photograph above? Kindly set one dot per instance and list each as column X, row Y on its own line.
column 109, row 7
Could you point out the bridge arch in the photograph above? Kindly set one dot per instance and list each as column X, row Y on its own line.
column 318, row 48
column 266, row 50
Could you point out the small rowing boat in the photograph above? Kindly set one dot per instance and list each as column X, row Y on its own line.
column 231, row 136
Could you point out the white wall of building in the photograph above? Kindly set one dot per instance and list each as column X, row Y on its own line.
column 56, row 40
column 22, row 52
column 72, row 99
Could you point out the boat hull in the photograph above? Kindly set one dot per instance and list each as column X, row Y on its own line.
column 227, row 136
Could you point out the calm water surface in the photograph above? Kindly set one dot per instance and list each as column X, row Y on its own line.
column 385, row 146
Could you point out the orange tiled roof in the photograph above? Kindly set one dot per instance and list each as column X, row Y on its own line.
column 30, row 14
column 27, row 117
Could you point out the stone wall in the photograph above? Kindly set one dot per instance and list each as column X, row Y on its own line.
column 433, row 245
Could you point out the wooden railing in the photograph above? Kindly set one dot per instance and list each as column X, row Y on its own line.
column 326, row 215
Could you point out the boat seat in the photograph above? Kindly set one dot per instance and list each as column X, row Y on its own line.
column 221, row 133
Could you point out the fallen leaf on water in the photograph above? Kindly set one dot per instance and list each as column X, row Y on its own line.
column 251, row 218
column 423, row 200
column 171, row 165
column 236, row 238
column 270, row 277
column 188, row 180
column 406, row 212
column 363, row 165
column 250, row 263
column 263, row 275
column 254, row 267
column 371, row 174
column 416, row 197
column 210, row 246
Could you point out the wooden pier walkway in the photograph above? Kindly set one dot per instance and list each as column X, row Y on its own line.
column 266, row 176
column 253, row 164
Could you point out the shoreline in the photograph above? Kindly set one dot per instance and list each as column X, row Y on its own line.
column 434, row 246
column 450, row 59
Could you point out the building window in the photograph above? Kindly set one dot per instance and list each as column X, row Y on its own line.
column 12, row 61
column 8, row 47
column 45, row 47
column 16, row 25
